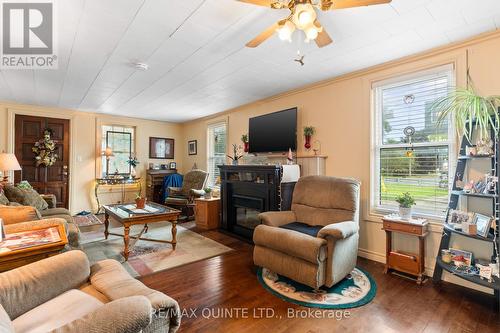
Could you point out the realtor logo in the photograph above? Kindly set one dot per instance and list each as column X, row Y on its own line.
column 28, row 35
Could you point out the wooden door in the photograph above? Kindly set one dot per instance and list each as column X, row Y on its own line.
column 46, row 180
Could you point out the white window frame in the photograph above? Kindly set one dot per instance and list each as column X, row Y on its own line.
column 377, row 145
column 211, row 183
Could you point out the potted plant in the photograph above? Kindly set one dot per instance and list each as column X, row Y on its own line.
column 133, row 162
column 308, row 133
column 465, row 106
column 140, row 202
column 405, row 202
column 208, row 192
column 244, row 139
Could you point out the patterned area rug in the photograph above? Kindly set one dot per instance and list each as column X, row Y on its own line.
column 357, row 289
column 148, row 257
column 86, row 220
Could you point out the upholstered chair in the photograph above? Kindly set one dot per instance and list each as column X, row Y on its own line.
column 65, row 294
column 316, row 242
column 192, row 187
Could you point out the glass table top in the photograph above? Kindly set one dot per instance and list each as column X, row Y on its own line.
column 129, row 210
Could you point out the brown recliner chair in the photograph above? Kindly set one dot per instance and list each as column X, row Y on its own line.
column 316, row 243
column 183, row 197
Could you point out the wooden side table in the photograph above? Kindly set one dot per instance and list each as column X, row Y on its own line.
column 207, row 213
column 409, row 263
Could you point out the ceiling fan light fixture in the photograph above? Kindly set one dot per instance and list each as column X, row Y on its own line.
column 304, row 15
column 311, row 33
column 286, row 31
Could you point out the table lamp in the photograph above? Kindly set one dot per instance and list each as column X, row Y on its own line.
column 108, row 153
column 8, row 162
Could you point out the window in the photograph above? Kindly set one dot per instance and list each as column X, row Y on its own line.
column 417, row 163
column 121, row 141
column 216, row 150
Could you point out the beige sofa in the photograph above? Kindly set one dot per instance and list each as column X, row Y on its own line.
column 316, row 243
column 65, row 294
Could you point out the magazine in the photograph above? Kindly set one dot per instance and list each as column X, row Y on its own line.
column 31, row 238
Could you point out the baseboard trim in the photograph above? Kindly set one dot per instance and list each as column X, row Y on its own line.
column 371, row 255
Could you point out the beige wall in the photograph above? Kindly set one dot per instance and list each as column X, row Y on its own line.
column 85, row 147
column 340, row 111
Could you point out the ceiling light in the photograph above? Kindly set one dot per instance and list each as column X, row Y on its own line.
column 304, row 15
column 286, row 31
column 311, row 33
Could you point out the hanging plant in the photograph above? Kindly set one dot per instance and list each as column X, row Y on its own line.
column 44, row 150
column 465, row 106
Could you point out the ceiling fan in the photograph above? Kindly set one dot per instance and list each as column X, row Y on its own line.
column 303, row 16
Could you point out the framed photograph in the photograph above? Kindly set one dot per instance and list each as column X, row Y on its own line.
column 193, row 147
column 459, row 217
column 483, row 224
column 161, row 148
column 172, row 166
column 461, row 258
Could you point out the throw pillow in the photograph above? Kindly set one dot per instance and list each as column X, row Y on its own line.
column 13, row 214
column 26, row 197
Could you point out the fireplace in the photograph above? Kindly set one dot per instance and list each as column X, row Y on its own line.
column 247, row 191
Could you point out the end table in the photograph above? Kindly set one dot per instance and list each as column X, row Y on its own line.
column 410, row 263
column 207, row 213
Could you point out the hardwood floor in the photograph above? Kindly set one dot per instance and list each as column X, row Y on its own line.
column 228, row 283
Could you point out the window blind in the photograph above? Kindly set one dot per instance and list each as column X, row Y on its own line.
column 412, row 152
column 216, row 150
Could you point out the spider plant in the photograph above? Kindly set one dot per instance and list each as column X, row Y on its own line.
column 465, row 106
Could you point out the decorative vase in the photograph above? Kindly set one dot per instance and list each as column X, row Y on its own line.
column 405, row 213
column 208, row 195
column 307, row 145
column 140, row 203
column 246, row 147
column 133, row 173
column 235, row 162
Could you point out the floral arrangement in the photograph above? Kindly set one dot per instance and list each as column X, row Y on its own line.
column 44, row 150
column 133, row 161
column 236, row 154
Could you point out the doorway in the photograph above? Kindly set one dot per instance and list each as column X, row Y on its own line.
column 44, row 179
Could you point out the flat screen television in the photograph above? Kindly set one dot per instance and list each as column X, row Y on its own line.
column 273, row 132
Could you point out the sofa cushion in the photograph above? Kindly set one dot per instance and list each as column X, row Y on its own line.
column 311, row 230
column 5, row 322
column 25, row 196
column 57, row 211
column 17, row 214
column 57, row 312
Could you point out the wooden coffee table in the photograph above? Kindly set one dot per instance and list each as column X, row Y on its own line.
column 128, row 215
column 24, row 247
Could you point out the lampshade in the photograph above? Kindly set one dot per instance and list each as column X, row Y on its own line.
column 108, row 152
column 8, row 162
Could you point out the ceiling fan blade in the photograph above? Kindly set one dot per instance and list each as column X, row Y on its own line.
column 323, row 38
column 341, row 4
column 265, row 3
column 263, row 35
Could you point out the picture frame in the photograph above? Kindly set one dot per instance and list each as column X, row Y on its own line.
column 193, row 147
column 483, row 223
column 461, row 258
column 161, row 148
column 172, row 166
column 457, row 217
